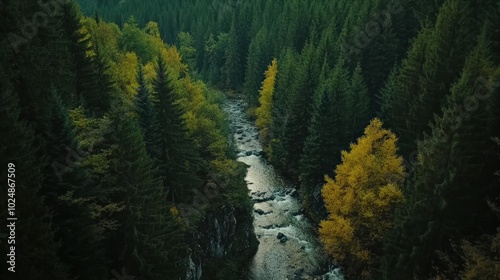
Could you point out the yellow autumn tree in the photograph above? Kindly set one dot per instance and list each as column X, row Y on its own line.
column 361, row 199
column 263, row 112
column 124, row 72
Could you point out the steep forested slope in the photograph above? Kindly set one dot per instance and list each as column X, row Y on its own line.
column 112, row 141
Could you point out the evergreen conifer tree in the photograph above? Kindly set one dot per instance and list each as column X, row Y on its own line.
column 178, row 158
column 153, row 244
column 358, row 103
column 322, row 146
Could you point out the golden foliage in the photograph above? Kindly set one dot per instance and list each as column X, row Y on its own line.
column 263, row 113
column 362, row 197
column 124, row 72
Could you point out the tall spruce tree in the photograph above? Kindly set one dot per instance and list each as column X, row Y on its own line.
column 299, row 108
column 322, row 146
column 256, row 63
column 80, row 46
column 231, row 70
column 279, row 113
column 153, row 245
column 147, row 117
column 358, row 105
column 178, row 157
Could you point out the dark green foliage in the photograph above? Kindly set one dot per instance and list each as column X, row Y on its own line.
column 386, row 95
column 286, row 74
column 178, row 161
column 432, row 65
column 231, row 71
column 66, row 187
column 153, row 243
column 299, row 108
column 322, row 146
column 358, row 103
column 340, row 81
column 147, row 117
column 34, row 226
column 453, row 176
column 258, row 53
column 90, row 72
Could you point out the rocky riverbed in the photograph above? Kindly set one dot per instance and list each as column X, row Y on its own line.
column 288, row 246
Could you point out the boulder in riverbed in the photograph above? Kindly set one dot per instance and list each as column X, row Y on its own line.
column 263, row 197
column 282, row 237
column 259, row 211
column 258, row 153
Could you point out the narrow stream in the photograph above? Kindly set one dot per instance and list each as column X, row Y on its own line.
column 297, row 254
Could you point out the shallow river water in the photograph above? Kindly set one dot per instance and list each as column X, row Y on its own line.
column 277, row 210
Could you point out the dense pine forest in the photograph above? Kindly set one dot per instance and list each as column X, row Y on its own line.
column 111, row 144
column 118, row 158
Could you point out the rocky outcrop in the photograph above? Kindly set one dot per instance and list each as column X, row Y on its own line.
column 194, row 270
column 224, row 233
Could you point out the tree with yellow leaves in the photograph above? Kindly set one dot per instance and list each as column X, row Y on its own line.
column 266, row 100
column 361, row 200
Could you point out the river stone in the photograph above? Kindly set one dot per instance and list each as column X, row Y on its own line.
column 259, row 211
column 263, row 198
column 280, row 235
column 284, row 239
column 248, row 153
column 296, row 213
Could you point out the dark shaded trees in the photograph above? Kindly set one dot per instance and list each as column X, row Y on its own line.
column 153, row 244
column 445, row 201
column 177, row 158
